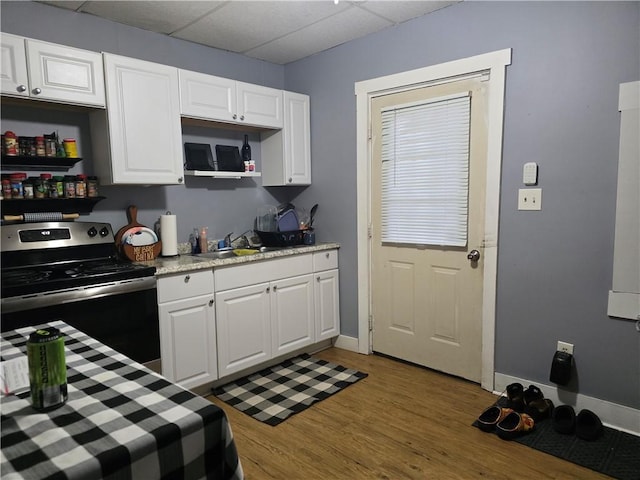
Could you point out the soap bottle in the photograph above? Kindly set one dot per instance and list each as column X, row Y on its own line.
column 246, row 149
column 202, row 239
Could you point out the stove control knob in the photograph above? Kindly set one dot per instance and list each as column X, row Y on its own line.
column 92, row 232
column 104, row 231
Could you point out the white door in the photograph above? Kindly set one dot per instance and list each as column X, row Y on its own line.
column 143, row 109
column 65, row 74
column 243, row 327
column 207, row 97
column 188, row 335
column 427, row 298
column 327, row 306
column 292, row 314
column 258, row 105
column 14, row 66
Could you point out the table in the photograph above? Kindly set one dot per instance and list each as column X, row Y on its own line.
column 121, row 420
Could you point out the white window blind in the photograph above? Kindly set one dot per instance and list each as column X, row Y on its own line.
column 425, row 172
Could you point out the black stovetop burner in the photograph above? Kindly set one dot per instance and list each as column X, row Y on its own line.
column 47, row 278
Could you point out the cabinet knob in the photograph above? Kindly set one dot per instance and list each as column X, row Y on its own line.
column 275, row 287
column 318, row 279
column 241, row 117
column 180, row 179
column 21, row 88
column 327, row 254
column 235, row 116
column 290, row 179
column 211, row 302
column 268, row 289
column 37, row 91
column 187, row 278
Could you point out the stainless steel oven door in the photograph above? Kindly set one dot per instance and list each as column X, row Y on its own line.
column 126, row 319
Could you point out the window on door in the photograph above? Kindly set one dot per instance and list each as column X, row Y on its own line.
column 425, row 172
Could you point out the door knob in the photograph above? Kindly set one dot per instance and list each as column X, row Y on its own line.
column 473, row 255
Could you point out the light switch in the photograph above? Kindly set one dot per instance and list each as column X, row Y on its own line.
column 530, row 199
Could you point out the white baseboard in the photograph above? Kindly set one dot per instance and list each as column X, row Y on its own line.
column 612, row 415
column 347, row 343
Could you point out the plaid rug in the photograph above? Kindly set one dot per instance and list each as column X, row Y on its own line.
column 274, row 394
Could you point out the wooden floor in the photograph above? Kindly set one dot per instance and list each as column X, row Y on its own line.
column 401, row 422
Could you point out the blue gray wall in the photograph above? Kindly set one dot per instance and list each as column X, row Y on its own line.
column 554, row 266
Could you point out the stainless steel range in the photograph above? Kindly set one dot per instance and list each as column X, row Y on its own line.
column 70, row 271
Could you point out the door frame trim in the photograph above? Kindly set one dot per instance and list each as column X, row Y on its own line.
column 493, row 63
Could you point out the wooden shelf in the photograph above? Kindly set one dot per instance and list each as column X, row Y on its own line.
column 21, row 162
column 64, row 205
column 220, row 174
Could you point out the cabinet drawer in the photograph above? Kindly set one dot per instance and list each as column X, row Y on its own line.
column 185, row 285
column 260, row 272
column 326, row 260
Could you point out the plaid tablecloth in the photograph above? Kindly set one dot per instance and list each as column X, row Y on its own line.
column 121, row 420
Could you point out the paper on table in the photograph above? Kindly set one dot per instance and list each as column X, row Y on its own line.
column 15, row 375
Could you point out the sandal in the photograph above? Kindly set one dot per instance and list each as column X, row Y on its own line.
column 539, row 409
column 514, row 425
column 488, row 419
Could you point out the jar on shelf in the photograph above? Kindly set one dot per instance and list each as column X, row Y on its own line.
column 81, row 186
column 16, row 184
column 6, row 187
column 92, row 186
column 69, row 186
column 40, row 146
column 58, row 182
column 50, row 145
column 46, row 178
column 28, row 187
column 10, row 143
column 39, row 190
column 70, row 147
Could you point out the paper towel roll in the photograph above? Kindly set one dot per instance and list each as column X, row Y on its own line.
column 169, row 235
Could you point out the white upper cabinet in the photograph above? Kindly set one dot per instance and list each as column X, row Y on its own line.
column 139, row 140
column 208, row 97
column 286, row 153
column 46, row 71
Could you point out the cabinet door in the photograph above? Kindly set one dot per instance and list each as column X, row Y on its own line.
column 292, row 314
column 327, row 305
column 188, row 341
column 65, row 74
column 143, row 112
column 14, row 67
column 258, row 105
column 207, row 97
column 286, row 153
column 243, row 327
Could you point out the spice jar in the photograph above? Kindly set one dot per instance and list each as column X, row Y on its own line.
column 46, row 178
column 10, row 143
column 27, row 187
column 92, row 186
column 69, row 186
column 50, row 145
column 58, row 183
column 81, row 186
column 40, row 148
column 6, row 187
column 70, row 147
column 16, row 184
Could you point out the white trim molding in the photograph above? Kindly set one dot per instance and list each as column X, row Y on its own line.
column 613, row 415
column 494, row 64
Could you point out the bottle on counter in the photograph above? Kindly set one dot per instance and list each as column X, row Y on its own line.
column 202, row 240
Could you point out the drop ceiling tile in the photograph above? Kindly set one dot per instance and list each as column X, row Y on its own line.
column 239, row 26
column 349, row 24
column 160, row 17
column 401, row 11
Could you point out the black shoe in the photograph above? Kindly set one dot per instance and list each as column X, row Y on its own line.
column 564, row 419
column 588, row 425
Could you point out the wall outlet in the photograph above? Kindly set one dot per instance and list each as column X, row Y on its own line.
column 530, row 199
column 565, row 347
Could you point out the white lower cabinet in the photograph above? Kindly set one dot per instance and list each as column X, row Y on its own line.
column 188, row 328
column 292, row 316
column 327, row 306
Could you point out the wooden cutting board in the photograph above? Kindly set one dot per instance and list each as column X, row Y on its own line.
column 135, row 253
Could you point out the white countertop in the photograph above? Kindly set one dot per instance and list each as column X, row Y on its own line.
column 187, row 263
